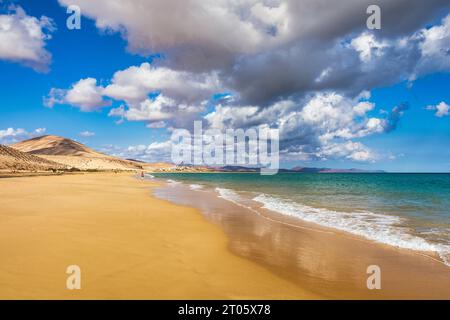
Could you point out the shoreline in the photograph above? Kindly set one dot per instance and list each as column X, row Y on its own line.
column 343, row 257
column 128, row 244
column 276, row 216
column 131, row 244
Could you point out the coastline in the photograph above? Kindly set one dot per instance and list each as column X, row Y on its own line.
column 131, row 244
column 326, row 261
column 128, row 244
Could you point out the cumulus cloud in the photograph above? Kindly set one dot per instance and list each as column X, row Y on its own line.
column 84, row 94
column 442, row 109
column 319, row 126
column 156, row 110
column 87, row 134
column 151, row 110
column 150, row 93
column 436, row 39
column 157, row 125
column 349, row 64
column 135, row 83
column 434, row 44
column 394, row 117
column 367, row 46
column 355, row 151
column 270, row 49
column 323, row 126
column 155, row 152
column 289, row 64
column 11, row 135
column 243, row 27
column 209, row 32
column 23, row 39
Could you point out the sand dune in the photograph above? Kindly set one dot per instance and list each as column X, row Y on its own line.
column 14, row 160
column 73, row 154
column 54, row 145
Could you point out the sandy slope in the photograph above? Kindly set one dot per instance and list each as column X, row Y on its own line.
column 14, row 160
column 54, row 145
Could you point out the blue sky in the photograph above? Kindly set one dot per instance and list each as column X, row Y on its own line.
column 419, row 142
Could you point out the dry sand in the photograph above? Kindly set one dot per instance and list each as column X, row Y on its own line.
column 128, row 244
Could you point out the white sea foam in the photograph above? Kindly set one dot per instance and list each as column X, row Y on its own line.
column 149, row 176
column 377, row 227
column 196, row 187
column 173, row 182
column 381, row 228
column 444, row 254
column 229, row 195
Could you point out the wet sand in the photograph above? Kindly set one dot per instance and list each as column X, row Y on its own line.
column 330, row 263
column 128, row 244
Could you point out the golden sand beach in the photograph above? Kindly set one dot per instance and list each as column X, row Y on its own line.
column 131, row 245
column 128, row 245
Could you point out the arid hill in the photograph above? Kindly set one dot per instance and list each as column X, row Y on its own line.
column 55, row 146
column 14, row 160
column 73, row 154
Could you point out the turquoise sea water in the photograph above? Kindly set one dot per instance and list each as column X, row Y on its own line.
column 410, row 211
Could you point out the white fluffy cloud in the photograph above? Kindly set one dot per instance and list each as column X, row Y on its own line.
column 321, row 127
column 151, row 94
column 156, row 110
column 435, row 48
column 11, row 135
column 324, row 126
column 157, row 125
column 367, row 46
column 355, row 151
column 155, row 152
column 437, row 39
column 87, row 134
column 23, row 39
column 134, row 84
column 84, row 94
column 442, row 109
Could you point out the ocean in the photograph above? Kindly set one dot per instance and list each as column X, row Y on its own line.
column 409, row 211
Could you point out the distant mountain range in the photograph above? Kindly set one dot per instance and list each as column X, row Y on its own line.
column 297, row 170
